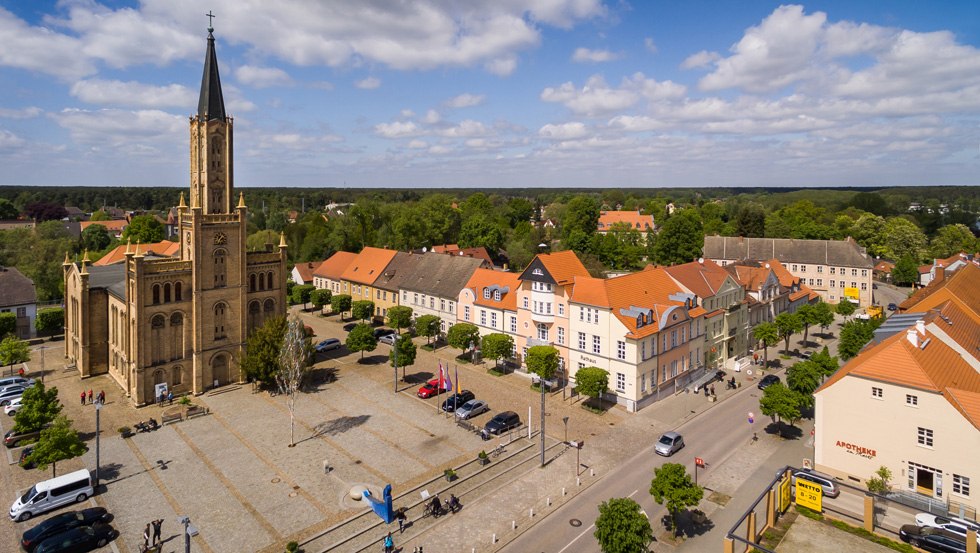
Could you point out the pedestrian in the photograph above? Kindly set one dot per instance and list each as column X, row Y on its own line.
column 170, row 398
column 91, row 397
column 101, row 397
column 146, row 536
column 712, row 389
column 83, row 397
column 401, row 520
column 389, row 543
column 157, row 527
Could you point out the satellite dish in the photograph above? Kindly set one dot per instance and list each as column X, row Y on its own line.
column 424, row 249
column 542, row 245
column 767, row 265
column 701, row 260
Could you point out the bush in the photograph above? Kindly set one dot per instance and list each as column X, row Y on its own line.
column 50, row 321
column 292, row 546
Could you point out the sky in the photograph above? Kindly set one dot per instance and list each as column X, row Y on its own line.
column 507, row 93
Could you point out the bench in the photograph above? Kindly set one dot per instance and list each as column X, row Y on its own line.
column 168, row 418
column 195, row 411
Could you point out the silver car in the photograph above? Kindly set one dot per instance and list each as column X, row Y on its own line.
column 11, row 393
column 669, row 443
column 955, row 525
column 471, row 409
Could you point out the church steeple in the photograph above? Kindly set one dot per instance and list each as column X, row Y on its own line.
column 211, row 105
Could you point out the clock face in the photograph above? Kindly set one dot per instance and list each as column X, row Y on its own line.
column 220, row 239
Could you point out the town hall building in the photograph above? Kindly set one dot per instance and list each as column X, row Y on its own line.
column 180, row 323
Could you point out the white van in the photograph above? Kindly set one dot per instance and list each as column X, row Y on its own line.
column 51, row 494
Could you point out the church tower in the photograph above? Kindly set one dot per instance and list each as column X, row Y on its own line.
column 211, row 143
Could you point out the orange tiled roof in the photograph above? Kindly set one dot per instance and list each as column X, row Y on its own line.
column 483, row 278
column 749, row 276
column 704, row 278
column 368, row 265
column 785, row 277
column 963, row 287
column 478, row 252
column 564, row 266
column 305, row 270
column 650, row 288
column 335, row 265
column 165, row 248
column 113, row 225
column 635, row 220
column 884, row 266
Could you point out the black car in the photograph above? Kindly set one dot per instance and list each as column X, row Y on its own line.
column 767, row 381
column 60, row 523
column 457, row 400
column 379, row 332
column 502, row 422
column 892, row 307
column 938, row 540
column 78, row 539
column 350, row 326
column 22, row 461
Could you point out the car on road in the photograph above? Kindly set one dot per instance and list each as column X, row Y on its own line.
column 328, row 344
column 669, row 444
column 20, row 380
column 11, row 394
column 432, row 388
column 767, row 381
column 380, row 332
column 892, row 307
column 471, row 409
column 502, row 422
column 826, row 482
column 78, row 540
column 22, row 461
column 12, row 407
column 457, row 400
column 61, row 523
column 937, row 540
column 955, row 525
column 20, row 385
column 389, row 339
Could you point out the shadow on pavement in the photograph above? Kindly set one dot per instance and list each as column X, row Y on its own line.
column 338, row 425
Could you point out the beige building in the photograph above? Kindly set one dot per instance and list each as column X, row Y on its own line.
column 179, row 323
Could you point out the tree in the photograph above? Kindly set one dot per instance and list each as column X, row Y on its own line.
column 361, row 338
column 362, row 310
column 96, row 238
column 428, row 326
column 294, row 362
column 8, row 324
column 823, row 315
column 403, row 352
column 320, row 297
column 903, row 237
column 680, row 240
column 672, row 486
column 780, row 403
column 463, row 336
column 542, row 361
column 750, row 221
column 788, row 324
column 581, row 216
column 399, row 317
column 592, row 382
column 828, row 365
column 808, row 316
column 497, row 346
column 480, row 230
column 145, row 229
column 57, row 443
column 880, row 483
column 952, row 239
column 341, row 303
column 621, row 527
column 845, row 308
column 99, row 215
column 854, row 335
column 8, row 211
column 50, row 320
column 39, row 406
column 260, row 361
column 13, row 351
column 804, row 378
column 302, row 293
column 768, row 334
column 906, row 271
column 45, row 211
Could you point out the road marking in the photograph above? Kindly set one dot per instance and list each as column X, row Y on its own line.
column 591, row 526
column 632, row 494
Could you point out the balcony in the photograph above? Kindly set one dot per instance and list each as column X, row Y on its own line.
column 531, row 342
column 546, row 318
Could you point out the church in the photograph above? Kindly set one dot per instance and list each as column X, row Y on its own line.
column 180, row 323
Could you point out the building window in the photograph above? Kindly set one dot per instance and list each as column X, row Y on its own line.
column 596, row 345
column 819, row 268
column 156, row 294
column 833, row 270
column 496, row 295
column 803, row 268
column 794, row 268
column 415, row 298
column 561, row 336
column 486, row 293
column 643, row 382
column 525, row 302
column 620, row 349
column 513, row 325
column 864, row 285
column 854, row 272
column 876, row 392
column 466, row 312
column 864, row 272
column 483, row 317
column 911, row 400
column 643, row 351
column 925, row 437
column 620, row 382
column 542, row 332
column 561, row 309
column 581, row 341
column 961, row 485
column 493, row 319
column 819, row 282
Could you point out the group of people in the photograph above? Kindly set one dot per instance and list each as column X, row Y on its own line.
column 166, row 396
column 157, row 526
column 100, row 399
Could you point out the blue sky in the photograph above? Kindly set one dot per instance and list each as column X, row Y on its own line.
column 509, row 93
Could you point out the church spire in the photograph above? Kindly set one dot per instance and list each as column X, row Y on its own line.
column 211, row 106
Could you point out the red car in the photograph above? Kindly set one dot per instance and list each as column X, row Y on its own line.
column 432, row 388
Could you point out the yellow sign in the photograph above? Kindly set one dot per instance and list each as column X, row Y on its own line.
column 852, row 293
column 809, row 495
column 784, row 497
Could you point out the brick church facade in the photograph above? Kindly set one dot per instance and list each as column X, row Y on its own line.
column 181, row 321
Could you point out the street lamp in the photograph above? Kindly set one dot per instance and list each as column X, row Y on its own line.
column 98, row 410
column 565, row 420
column 188, row 532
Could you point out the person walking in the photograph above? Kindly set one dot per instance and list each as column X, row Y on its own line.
column 170, row 397
column 157, row 528
column 101, row 397
column 91, row 397
column 389, row 543
column 146, row 536
column 83, row 397
column 401, row 520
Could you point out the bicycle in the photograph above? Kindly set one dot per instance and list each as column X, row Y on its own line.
column 495, row 452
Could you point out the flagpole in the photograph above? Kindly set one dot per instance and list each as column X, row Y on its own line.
column 438, row 386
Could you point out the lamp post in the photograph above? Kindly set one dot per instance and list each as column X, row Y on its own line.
column 565, row 420
column 186, row 521
column 98, row 410
column 394, row 361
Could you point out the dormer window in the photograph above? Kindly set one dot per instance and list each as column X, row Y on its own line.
column 496, row 295
column 486, row 293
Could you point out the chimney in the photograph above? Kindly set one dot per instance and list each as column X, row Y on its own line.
column 913, row 337
column 920, row 327
column 940, row 273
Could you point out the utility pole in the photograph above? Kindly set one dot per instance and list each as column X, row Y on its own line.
column 541, row 385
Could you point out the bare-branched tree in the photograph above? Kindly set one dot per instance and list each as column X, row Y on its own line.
column 294, row 362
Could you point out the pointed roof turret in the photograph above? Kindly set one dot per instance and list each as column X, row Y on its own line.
column 211, row 106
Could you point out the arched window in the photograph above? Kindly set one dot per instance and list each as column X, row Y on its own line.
column 254, row 315
column 176, row 335
column 251, row 282
column 177, row 287
column 177, row 319
column 166, row 293
column 177, row 377
column 219, row 320
column 270, row 307
column 219, row 268
column 156, row 294
column 157, row 322
column 261, row 281
column 269, row 281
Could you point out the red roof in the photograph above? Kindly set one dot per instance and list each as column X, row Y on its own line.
column 335, row 265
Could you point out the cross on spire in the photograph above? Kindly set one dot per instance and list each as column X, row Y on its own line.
column 210, row 17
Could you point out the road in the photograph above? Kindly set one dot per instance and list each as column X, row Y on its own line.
column 713, row 436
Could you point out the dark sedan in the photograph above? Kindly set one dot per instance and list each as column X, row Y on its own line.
column 60, row 523
column 767, row 381
column 78, row 540
column 938, row 540
column 502, row 422
column 457, row 400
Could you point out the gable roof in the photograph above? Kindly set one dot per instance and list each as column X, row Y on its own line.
column 15, row 288
column 368, row 265
column 963, row 287
column 507, row 283
column 750, row 274
column 112, row 225
column 635, row 220
column 704, row 277
column 650, row 292
column 335, row 265
column 841, row 253
column 563, row 266
column 434, row 274
column 305, row 270
column 164, row 248
column 478, row 252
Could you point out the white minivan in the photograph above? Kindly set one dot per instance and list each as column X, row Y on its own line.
column 51, row 494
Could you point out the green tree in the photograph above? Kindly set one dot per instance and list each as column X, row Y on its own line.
column 672, row 486
column 903, row 237
column 341, row 303
column 39, row 406
column 808, row 316
column 828, row 365
column 952, row 239
column 804, row 378
column 781, row 404
column 680, row 240
column 519, row 210
column 869, row 231
column 463, row 336
column 581, row 216
column 542, row 361
column 880, row 483
column 768, row 335
column 750, row 221
column 788, row 324
column 854, row 335
column 362, row 310
column 621, row 527
column 262, row 240
column 301, row 294
column 480, row 230
column 260, row 360
column 96, row 238
column 592, row 382
column 403, row 352
column 823, row 315
column 100, row 216
column 7, row 210
column 8, row 324
column 428, row 326
column 57, row 443
column 50, row 320
column 320, row 297
column 14, row 351
column 497, row 346
column 361, row 338
column 906, row 271
column 845, row 308
column 399, row 317
column 144, row 229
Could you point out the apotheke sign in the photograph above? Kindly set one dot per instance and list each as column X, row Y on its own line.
column 857, row 450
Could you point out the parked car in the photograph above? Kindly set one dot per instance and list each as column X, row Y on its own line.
column 432, row 388
column 79, row 539
column 22, row 385
column 457, row 400
column 938, row 540
column 471, row 409
column 389, row 339
column 328, row 344
column 60, row 523
column 767, row 381
column 379, row 332
column 21, row 380
column 12, row 407
column 826, row 482
column 502, row 422
column 669, row 444
column 892, row 307
column 956, row 525
column 22, row 461
column 10, row 394
column 350, row 326
column 807, row 355
column 11, row 438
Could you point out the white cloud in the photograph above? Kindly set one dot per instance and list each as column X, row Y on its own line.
column 703, row 58
column 24, row 113
column 465, row 100
column 563, row 131
column 439, row 150
column 396, row 129
column 501, row 66
column 466, row 128
column 416, row 144
column 594, row 56
column 597, row 98
column 132, row 93
column 262, row 77
column 368, row 83
column 431, row 117
column 121, row 128
column 650, row 45
column 9, row 140
column 40, row 49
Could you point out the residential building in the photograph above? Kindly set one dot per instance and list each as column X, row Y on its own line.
column 799, row 293
column 11, row 224
column 489, row 300
column 478, row 252
column 114, row 226
column 302, row 272
column 18, row 296
column 766, row 297
column 835, row 269
column 883, row 270
column 434, row 284
column 327, row 274
column 362, row 272
column 927, row 273
column 164, row 249
column 962, row 288
column 626, row 220
column 159, row 323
